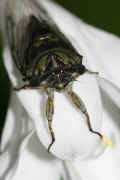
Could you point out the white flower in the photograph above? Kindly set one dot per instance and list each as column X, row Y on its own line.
column 26, row 136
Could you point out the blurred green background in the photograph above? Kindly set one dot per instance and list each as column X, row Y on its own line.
column 104, row 14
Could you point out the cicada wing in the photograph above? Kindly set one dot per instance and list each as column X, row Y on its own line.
column 16, row 40
column 17, row 18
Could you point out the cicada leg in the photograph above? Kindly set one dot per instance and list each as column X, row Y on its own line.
column 49, row 114
column 25, row 87
column 91, row 72
column 77, row 101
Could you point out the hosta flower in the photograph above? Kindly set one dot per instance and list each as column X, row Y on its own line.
column 76, row 153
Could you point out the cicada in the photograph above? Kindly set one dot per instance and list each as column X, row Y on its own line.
column 44, row 56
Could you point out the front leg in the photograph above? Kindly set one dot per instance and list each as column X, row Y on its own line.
column 49, row 114
column 77, row 101
column 25, row 87
column 91, row 72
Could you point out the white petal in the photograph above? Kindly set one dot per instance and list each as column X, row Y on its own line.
column 112, row 91
column 22, row 156
column 83, row 39
column 60, row 124
column 17, row 131
column 36, row 163
column 107, row 166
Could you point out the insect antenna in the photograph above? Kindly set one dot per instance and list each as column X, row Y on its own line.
column 49, row 113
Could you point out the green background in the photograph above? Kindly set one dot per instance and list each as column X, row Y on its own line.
column 104, row 14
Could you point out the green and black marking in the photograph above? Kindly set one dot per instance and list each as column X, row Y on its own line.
column 46, row 59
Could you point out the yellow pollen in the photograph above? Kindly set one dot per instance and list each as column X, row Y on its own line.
column 107, row 141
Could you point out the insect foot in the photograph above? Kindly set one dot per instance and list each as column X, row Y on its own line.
column 49, row 114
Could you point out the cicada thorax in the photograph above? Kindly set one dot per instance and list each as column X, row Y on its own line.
column 50, row 60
